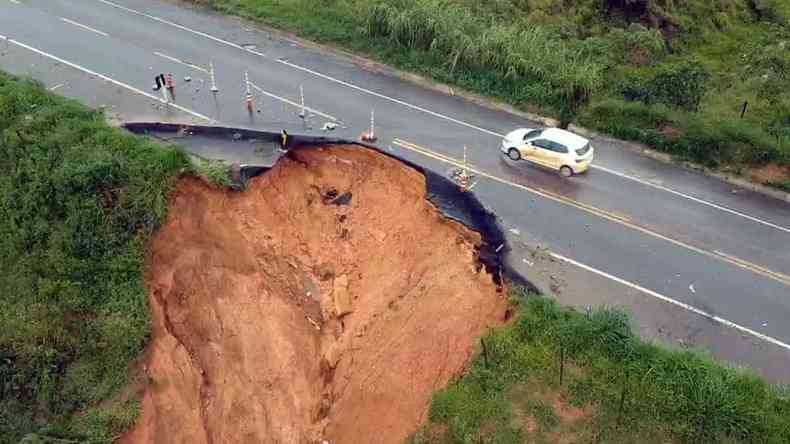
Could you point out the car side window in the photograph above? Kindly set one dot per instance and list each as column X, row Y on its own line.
column 542, row 143
column 558, row 147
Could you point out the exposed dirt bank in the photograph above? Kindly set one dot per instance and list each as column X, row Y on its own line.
column 327, row 302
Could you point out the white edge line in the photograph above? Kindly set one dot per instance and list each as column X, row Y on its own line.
column 103, row 77
column 182, row 27
column 692, row 198
column 292, row 103
column 677, row 303
column 391, row 99
column 324, row 76
column 173, row 59
column 435, row 114
column 661, row 297
column 740, row 263
column 85, row 27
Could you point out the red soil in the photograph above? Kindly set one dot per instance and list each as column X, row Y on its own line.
column 281, row 316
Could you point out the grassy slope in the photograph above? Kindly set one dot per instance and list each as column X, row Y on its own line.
column 78, row 201
column 538, row 53
column 616, row 388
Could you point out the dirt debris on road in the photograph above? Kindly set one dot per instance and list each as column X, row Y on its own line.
column 326, row 302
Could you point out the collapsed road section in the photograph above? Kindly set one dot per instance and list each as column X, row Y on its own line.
column 326, row 302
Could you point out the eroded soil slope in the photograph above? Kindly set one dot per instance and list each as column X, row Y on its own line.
column 327, row 302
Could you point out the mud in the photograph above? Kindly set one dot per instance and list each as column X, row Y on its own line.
column 326, row 302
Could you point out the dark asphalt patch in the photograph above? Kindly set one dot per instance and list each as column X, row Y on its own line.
column 442, row 192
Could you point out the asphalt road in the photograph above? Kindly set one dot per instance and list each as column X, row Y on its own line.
column 692, row 257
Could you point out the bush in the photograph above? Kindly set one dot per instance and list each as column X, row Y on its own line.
column 681, row 85
column 533, row 60
column 78, row 200
column 640, row 47
column 710, row 142
column 686, row 394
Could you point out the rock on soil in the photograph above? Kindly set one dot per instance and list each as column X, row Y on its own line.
column 243, row 350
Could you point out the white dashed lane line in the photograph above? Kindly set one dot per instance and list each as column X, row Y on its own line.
column 85, row 27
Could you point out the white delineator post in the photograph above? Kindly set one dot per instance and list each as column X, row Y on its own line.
column 213, row 80
column 370, row 136
column 464, row 179
column 302, row 112
column 372, row 120
column 248, row 95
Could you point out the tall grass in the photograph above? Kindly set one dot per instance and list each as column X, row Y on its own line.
column 557, row 57
column 530, row 59
column 680, row 395
column 78, row 200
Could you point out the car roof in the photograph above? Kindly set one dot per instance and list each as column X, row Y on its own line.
column 566, row 138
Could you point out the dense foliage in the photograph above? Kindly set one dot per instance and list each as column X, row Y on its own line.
column 78, row 201
column 586, row 60
column 627, row 390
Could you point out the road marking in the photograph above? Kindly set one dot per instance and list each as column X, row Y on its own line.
column 108, row 79
column 173, row 59
column 56, row 87
column 86, row 27
column 391, row 99
column 538, row 191
column 292, row 103
column 677, row 303
column 182, row 27
column 439, row 115
column 692, row 198
column 493, row 133
column 430, row 153
column 740, row 263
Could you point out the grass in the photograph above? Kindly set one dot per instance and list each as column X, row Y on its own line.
column 616, row 388
column 214, row 171
column 574, row 59
column 78, row 202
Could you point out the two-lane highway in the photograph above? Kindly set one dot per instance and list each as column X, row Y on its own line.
column 666, row 234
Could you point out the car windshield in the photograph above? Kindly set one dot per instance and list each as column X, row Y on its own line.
column 532, row 134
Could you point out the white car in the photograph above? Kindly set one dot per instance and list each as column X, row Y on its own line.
column 553, row 148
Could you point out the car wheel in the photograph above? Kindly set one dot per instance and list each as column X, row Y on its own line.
column 513, row 154
column 566, row 171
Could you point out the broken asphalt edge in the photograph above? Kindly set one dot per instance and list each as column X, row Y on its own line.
column 497, row 105
column 462, row 207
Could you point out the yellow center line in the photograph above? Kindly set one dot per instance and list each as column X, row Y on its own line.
column 539, row 191
column 740, row 263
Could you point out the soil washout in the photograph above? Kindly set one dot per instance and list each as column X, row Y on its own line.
column 326, row 302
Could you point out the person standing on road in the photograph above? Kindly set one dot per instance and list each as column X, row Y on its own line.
column 284, row 141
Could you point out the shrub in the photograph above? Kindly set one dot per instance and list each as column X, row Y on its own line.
column 78, row 200
column 681, row 85
column 640, row 47
column 541, row 66
column 681, row 392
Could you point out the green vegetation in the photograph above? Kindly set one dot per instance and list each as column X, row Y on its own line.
column 670, row 74
column 214, row 171
column 78, row 202
column 616, row 388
